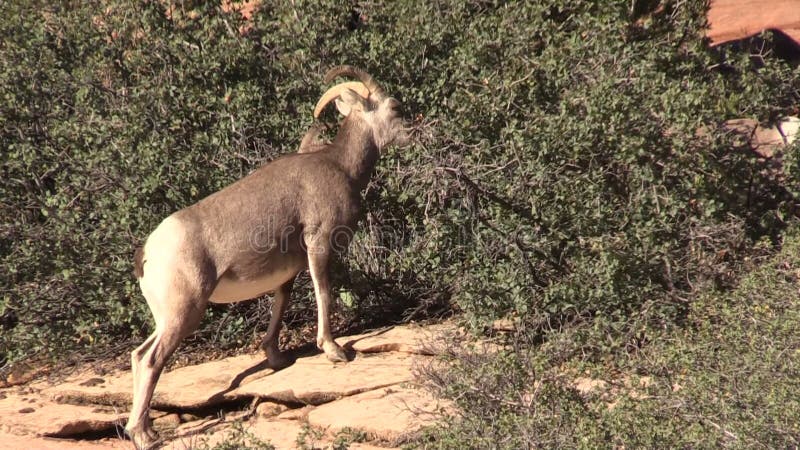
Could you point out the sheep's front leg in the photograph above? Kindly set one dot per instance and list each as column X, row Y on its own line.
column 319, row 256
column 275, row 358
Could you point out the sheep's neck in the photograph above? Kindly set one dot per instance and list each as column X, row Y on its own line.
column 356, row 151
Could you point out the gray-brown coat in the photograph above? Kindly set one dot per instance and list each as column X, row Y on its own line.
column 257, row 234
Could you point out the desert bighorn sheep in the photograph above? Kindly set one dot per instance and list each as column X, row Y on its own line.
column 257, row 234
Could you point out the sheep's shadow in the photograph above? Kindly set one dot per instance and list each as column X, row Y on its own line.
column 292, row 355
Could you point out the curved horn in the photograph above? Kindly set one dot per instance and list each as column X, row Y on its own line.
column 359, row 87
column 364, row 77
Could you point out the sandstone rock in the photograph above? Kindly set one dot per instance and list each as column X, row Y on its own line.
column 316, row 380
column 504, row 325
column 765, row 141
column 408, row 339
column 20, row 416
column 296, row 414
column 312, row 380
column 281, row 434
column 187, row 387
column 233, row 378
column 187, row 417
column 167, row 422
column 586, row 385
column 386, row 413
column 737, row 19
column 15, row 442
column 75, row 390
column 196, row 426
column 23, row 373
column 360, row 392
column 270, row 409
column 246, row 8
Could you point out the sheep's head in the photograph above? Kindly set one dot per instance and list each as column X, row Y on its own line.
column 367, row 101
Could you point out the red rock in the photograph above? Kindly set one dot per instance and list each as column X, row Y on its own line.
column 45, row 418
column 14, row 442
column 383, row 413
column 408, row 339
column 730, row 20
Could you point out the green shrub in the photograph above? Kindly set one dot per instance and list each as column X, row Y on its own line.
column 727, row 379
column 558, row 173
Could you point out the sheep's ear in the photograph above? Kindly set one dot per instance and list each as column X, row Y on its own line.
column 349, row 101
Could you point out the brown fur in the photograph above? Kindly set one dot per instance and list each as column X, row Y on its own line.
column 256, row 235
column 138, row 262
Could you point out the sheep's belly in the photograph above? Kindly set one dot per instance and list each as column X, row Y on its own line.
column 232, row 290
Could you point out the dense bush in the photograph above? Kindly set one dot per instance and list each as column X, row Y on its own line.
column 569, row 166
column 727, row 379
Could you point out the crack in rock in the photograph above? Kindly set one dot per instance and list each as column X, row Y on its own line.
column 192, row 399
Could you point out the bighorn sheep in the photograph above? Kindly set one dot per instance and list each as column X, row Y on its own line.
column 257, row 234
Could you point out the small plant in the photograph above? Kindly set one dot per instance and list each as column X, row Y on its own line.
column 310, row 437
column 347, row 436
column 237, row 438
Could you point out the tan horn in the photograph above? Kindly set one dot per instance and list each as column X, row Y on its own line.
column 350, row 71
column 357, row 86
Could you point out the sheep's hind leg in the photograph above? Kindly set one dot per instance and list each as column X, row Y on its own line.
column 275, row 358
column 149, row 359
